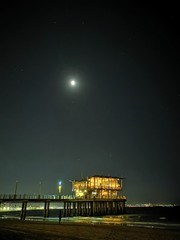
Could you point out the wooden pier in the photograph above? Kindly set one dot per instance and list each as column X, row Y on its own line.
column 71, row 207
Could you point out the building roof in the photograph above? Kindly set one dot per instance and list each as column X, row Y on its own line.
column 105, row 176
column 100, row 176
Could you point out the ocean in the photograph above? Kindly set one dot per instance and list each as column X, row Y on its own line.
column 149, row 217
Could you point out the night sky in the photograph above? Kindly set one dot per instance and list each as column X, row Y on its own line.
column 120, row 119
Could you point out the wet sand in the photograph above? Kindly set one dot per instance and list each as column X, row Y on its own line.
column 15, row 229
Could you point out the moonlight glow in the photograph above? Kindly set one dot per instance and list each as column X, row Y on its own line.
column 73, row 83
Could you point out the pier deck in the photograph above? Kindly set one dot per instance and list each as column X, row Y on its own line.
column 71, row 206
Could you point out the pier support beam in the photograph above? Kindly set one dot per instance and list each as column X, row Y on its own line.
column 23, row 210
column 46, row 209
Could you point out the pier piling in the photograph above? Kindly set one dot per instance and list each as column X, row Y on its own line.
column 23, row 210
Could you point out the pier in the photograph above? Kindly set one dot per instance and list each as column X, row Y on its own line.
column 71, row 206
column 93, row 196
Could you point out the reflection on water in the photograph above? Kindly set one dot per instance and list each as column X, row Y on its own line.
column 150, row 218
column 123, row 220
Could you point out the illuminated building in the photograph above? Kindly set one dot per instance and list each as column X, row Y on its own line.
column 97, row 187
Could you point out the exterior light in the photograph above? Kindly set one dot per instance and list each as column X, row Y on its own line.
column 59, row 187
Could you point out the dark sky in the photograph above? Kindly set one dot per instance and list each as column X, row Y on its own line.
column 121, row 119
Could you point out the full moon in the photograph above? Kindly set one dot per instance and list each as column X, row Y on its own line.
column 73, row 83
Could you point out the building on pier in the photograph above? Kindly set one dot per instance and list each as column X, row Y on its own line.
column 97, row 186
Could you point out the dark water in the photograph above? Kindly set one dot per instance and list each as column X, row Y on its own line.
column 161, row 217
column 168, row 214
column 151, row 217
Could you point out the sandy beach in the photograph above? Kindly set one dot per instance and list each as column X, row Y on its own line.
column 15, row 229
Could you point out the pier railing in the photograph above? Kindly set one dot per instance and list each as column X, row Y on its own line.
column 32, row 196
column 43, row 197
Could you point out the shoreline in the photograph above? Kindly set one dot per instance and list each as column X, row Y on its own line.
column 16, row 229
column 129, row 220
